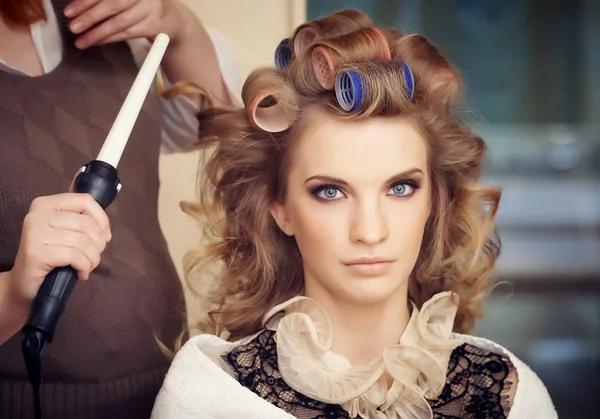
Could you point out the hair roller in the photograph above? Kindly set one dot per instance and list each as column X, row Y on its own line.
column 283, row 54
column 439, row 83
column 303, row 38
column 336, row 24
column 270, row 111
column 329, row 55
column 270, row 103
column 409, row 80
column 323, row 66
column 356, row 84
column 382, row 48
column 348, row 89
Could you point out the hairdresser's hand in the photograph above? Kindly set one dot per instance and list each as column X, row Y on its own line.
column 59, row 230
column 105, row 21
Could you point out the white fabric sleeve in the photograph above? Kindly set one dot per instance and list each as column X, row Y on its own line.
column 179, row 129
column 195, row 387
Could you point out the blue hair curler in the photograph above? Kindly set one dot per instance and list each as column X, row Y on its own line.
column 409, row 79
column 348, row 89
column 349, row 86
column 283, row 54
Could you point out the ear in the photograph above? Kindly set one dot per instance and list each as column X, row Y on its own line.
column 280, row 215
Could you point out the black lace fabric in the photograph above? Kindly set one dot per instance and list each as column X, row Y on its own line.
column 477, row 386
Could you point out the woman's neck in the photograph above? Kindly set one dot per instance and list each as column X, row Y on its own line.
column 362, row 331
column 19, row 51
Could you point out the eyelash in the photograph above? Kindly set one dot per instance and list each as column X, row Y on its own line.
column 408, row 182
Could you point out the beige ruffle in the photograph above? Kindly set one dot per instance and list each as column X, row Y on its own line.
column 417, row 364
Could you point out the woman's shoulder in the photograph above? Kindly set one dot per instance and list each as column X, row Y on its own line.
column 198, row 384
column 492, row 377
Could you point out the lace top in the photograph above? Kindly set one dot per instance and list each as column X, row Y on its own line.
column 434, row 374
column 477, row 383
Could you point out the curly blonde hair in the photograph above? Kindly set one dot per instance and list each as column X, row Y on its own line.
column 245, row 165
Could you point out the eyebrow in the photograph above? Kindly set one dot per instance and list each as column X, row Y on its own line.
column 341, row 182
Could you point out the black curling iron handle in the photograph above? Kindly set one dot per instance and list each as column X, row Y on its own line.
column 101, row 181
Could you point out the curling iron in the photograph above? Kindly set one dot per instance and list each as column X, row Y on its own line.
column 100, row 179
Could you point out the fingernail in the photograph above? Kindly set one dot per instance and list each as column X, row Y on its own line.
column 69, row 11
column 75, row 26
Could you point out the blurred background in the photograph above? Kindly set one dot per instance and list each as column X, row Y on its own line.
column 532, row 69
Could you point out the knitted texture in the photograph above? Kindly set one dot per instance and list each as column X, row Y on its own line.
column 49, row 127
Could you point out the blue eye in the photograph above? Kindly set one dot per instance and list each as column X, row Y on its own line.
column 403, row 188
column 328, row 193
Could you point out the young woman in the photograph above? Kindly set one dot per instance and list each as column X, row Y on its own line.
column 355, row 243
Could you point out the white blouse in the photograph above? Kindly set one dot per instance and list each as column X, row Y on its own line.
column 201, row 384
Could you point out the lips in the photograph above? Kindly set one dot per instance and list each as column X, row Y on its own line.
column 370, row 266
column 368, row 261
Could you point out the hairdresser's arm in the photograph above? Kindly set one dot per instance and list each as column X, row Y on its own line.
column 178, row 114
column 190, row 56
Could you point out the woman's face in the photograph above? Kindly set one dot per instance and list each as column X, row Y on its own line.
column 358, row 198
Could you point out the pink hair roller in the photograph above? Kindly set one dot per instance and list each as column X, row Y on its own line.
column 323, row 67
column 275, row 117
column 326, row 60
column 380, row 40
column 304, row 38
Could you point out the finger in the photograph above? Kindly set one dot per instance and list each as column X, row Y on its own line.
column 77, row 223
column 99, row 12
column 79, row 203
column 137, row 31
column 120, row 26
column 59, row 256
column 77, row 7
column 64, row 229
column 77, row 241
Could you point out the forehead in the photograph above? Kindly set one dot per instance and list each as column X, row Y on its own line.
column 359, row 149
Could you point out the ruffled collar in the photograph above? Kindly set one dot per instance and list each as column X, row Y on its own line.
column 417, row 364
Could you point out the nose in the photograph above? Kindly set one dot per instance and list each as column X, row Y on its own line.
column 369, row 223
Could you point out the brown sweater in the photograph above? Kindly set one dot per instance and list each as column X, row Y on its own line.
column 104, row 361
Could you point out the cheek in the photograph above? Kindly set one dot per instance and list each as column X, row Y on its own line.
column 407, row 223
column 317, row 228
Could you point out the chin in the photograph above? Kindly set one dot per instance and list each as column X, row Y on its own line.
column 368, row 291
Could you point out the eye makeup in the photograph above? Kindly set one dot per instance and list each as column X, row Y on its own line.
column 328, row 191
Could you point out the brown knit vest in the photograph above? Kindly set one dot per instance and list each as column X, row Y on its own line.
column 104, row 361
